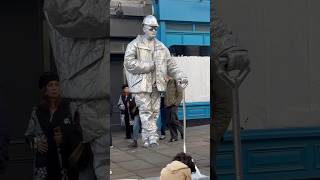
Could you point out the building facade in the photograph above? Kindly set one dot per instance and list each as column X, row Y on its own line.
column 185, row 30
column 279, row 100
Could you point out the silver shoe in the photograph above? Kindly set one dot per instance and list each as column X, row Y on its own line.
column 146, row 145
column 154, row 145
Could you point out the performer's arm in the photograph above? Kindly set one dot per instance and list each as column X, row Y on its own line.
column 134, row 65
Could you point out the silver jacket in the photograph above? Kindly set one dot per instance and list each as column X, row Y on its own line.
column 144, row 67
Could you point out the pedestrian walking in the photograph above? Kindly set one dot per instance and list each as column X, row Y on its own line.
column 172, row 100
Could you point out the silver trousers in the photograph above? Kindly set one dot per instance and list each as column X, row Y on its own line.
column 149, row 107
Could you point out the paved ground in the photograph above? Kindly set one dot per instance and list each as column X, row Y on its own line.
column 143, row 163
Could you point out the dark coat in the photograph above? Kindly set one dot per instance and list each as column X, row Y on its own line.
column 131, row 110
column 173, row 95
column 43, row 123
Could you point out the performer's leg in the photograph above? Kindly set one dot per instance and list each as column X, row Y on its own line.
column 143, row 101
column 155, row 104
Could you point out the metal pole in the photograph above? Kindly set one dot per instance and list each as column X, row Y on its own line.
column 184, row 121
column 236, row 133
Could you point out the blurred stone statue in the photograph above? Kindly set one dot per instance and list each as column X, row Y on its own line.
column 79, row 40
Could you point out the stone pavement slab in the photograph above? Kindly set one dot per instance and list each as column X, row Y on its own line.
column 143, row 163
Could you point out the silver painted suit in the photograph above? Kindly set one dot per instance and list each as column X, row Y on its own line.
column 146, row 69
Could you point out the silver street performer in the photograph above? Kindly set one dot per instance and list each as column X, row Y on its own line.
column 147, row 62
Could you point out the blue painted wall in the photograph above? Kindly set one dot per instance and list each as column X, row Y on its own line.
column 196, row 110
column 184, row 10
column 179, row 12
column 274, row 154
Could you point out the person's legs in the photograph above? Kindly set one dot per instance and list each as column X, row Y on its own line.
column 163, row 125
column 171, row 123
column 163, row 118
column 128, row 130
column 175, row 118
column 131, row 131
column 136, row 127
column 136, row 130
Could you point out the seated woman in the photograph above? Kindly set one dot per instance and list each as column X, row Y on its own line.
column 179, row 169
column 52, row 134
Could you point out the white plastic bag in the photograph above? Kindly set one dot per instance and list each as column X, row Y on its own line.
column 122, row 122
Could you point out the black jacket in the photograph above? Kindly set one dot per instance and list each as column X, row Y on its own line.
column 71, row 138
column 132, row 108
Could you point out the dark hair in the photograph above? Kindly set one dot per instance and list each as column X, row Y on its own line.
column 124, row 86
column 185, row 159
column 44, row 79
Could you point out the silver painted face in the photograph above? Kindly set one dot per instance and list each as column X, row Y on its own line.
column 150, row 31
